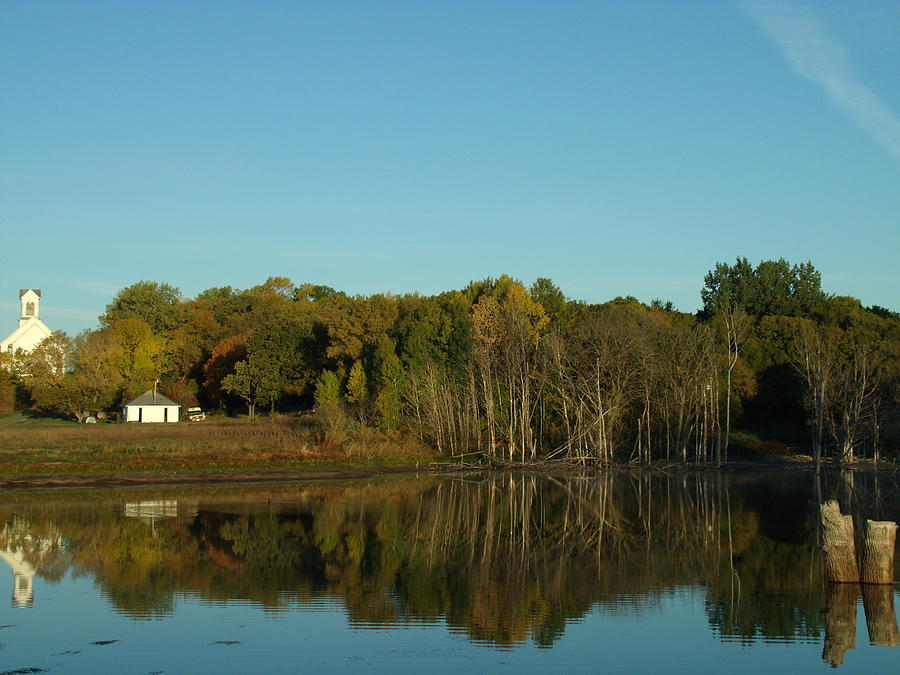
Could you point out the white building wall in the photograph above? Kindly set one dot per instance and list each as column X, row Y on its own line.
column 26, row 337
column 151, row 413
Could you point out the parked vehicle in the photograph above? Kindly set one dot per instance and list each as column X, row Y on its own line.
column 195, row 415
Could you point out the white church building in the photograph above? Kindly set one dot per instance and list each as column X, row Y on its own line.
column 31, row 329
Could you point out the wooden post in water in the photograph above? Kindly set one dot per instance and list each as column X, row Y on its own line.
column 881, row 620
column 840, row 550
column 840, row 622
column 878, row 552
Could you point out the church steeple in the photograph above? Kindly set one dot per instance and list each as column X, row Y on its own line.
column 31, row 329
column 30, row 299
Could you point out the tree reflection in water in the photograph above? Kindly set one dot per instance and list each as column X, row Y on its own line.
column 501, row 557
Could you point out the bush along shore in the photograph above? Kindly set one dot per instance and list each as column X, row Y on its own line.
column 497, row 372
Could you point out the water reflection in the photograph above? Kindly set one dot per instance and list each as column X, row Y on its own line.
column 501, row 558
column 881, row 620
column 27, row 548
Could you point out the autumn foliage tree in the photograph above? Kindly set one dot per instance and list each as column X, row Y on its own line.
column 221, row 363
column 73, row 377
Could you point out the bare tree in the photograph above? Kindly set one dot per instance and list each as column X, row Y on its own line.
column 737, row 324
column 812, row 356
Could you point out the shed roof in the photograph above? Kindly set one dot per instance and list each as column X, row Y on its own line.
column 151, row 397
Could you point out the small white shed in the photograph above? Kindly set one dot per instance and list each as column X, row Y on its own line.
column 151, row 407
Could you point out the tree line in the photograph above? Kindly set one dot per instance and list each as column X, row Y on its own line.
column 505, row 371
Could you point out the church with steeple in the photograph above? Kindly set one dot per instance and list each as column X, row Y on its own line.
column 31, row 329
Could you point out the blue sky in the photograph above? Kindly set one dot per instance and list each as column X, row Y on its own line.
column 615, row 147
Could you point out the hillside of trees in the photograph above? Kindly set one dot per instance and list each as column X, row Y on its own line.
column 502, row 370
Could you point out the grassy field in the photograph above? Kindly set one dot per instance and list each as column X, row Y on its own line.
column 25, row 419
column 31, row 446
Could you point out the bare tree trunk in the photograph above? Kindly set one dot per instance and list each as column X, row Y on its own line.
column 876, row 428
column 839, row 546
column 878, row 552
column 727, row 409
column 736, row 326
column 488, row 388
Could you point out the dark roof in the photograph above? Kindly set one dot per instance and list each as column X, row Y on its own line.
column 149, row 397
column 23, row 291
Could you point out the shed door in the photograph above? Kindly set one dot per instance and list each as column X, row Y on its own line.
column 140, row 414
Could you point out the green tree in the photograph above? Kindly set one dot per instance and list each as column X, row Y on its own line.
column 187, row 348
column 221, row 301
column 353, row 324
column 436, row 331
column 328, row 390
column 242, row 382
column 389, row 382
column 773, row 287
column 254, row 380
column 550, row 297
column 136, row 353
column 157, row 304
column 328, row 401
column 281, row 286
column 280, row 345
column 423, row 335
column 313, row 292
column 358, row 388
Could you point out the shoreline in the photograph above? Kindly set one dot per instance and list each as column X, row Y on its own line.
column 212, row 477
column 64, row 481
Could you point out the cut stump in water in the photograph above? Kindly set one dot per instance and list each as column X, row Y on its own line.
column 840, row 622
column 839, row 546
column 881, row 620
column 878, row 552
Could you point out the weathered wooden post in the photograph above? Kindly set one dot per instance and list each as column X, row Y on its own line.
column 878, row 552
column 840, row 622
column 878, row 580
column 881, row 620
column 839, row 547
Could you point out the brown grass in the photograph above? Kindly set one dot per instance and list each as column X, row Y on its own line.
column 215, row 445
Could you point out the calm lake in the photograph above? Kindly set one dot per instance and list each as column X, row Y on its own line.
column 690, row 572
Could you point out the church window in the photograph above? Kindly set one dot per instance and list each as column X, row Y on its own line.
column 29, row 309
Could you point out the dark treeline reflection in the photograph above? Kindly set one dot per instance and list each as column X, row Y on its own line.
column 501, row 557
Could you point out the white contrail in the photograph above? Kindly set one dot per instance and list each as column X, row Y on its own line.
column 815, row 55
column 54, row 310
column 70, row 312
column 98, row 287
